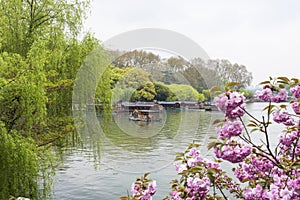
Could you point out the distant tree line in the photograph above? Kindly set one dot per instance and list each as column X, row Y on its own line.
column 164, row 73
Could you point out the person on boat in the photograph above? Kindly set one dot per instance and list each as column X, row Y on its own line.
column 147, row 117
column 135, row 113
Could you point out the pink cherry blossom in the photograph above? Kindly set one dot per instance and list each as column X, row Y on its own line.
column 296, row 91
column 233, row 151
column 296, row 107
column 284, row 117
column 265, row 94
column 232, row 104
column 280, row 97
column 230, row 129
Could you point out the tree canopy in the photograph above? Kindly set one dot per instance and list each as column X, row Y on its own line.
column 40, row 55
column 233, row 73
column 185, row 92
column 175, row 69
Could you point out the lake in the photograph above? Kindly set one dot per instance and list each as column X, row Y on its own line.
column 102, row 163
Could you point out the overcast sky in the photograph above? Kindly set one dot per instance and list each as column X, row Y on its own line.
column 262, row 35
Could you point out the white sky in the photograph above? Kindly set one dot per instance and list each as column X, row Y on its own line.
column 262, row 35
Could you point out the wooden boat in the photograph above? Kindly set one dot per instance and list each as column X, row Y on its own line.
column 144, row 115
column 210, row 107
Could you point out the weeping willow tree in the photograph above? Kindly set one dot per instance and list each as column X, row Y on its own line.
column 40, row 55
column 20, row 171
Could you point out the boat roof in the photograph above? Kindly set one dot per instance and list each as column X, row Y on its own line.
column 148, row 111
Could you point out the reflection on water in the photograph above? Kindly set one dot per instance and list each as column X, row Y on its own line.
column 139, row 129
column 107, row 160
column 102, row 163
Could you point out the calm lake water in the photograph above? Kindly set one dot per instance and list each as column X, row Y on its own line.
column 102, row 163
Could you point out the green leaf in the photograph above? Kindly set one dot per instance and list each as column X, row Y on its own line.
column 283, row 82
column 215, row 89
column 231, row 84
column 245, row 180
column 145, row 175
column 254, row 129
column 178, row 158
column 217, row 121
column 180, row 154
column 295, row 80
column 270, row 107
column 212, row 170
column 211, row 177
column 281, row 86
column 252, row 125
column 211, row 145
column 264, row 82
column 283, row 106
column 253, row 122
column 284, row 79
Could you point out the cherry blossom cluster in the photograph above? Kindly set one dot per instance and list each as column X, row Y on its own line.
column 230, row 129
column 277, row 185
column 196, row 186
column 198, row 175
column 296, row 104
column 296, row 91
column 143, row 188
column 282, row 116
column 254, row 168
column 232, row 104
column 296, row 107
column 289, row 143
column 275, row 175
column 270, row 175
column 267, row 171
column 267, row 94
column 232, row 151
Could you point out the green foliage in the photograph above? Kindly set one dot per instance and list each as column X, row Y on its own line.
column 64, row 63
column 145, row 93
column 104, row 93
column 136, row 59
column 178, row 63
column 117, row 74
column 40, row 56
column 122, row 94
column 206, row 94
column 185, row 92
column 163, row 93
column 195, row 79
column 280, row 82
column 19, row 167
column 135, row 78
column 201, row 97
column 133, row 84
column 42, row 59
column 233, row 73
column 230, row 86
column 24, row 22
column 24, row 89
column 207, row 72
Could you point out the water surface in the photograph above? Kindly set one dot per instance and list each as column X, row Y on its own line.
column 104, row 162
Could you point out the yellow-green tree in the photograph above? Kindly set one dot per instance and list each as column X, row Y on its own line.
column 40, row 55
